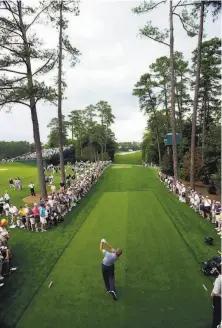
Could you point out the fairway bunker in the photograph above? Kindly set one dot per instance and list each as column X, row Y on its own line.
column 32, row 199
column 3, row 169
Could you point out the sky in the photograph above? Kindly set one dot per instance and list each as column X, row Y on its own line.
column 113, row 58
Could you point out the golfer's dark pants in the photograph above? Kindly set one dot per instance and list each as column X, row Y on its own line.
column 32, row 190
column 109, row 277
column 216, row 311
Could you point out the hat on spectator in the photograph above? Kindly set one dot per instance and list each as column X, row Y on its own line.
column 4, row 222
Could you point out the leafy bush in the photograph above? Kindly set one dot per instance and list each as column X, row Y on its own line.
column 167, row 163
column 198, row 165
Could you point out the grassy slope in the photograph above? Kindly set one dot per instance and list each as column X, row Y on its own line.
column 162, row 242
column 134, row 158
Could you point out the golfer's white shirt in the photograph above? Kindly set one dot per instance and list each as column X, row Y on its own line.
column 217, row 286
column 109, row 258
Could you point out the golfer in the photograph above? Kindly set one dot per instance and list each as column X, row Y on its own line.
column 108, row 268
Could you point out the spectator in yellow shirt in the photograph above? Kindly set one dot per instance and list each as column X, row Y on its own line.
column 22, row 217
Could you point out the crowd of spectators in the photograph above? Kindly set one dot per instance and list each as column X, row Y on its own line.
column 208, row 209
column 47, row 213
column 6, row 266
column 51, row 211
column 46, row 154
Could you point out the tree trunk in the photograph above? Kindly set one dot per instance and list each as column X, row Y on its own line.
column 102, row 152
column 195, row 105
column 60, row 130
column 81, row 151
column 34, row 116
column 180, row 112
column 158, row 146
column 203, row 130
column 157, row 136
column 172, row 96
column 179, row 104
column 106, row 139
column 94, row 150
column 166, row 108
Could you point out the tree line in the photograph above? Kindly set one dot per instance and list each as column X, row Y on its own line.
column 90, row 131
column 25, row 63
column 165, row 94
column 12, row 149
column 127, row 145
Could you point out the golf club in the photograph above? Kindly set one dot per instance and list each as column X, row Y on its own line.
column 126, row 268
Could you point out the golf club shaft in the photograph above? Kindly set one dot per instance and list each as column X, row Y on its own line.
column 122, row 263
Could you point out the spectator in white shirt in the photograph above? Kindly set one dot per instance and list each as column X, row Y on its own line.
column 213, row 220
column 7, row 197
column 13, row 212
column 6, row 209
column 207, row 206
column 32, row 189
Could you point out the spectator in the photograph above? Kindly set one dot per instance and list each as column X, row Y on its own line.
column 207, row 207
column 28, row 215
column 7, row 197
column 6, row 208
column 35, row 221
column 43, row 215
column 216, row 300
column 11, row 184
column 198, row 202
column 213, row 216
column 14, row 213
column 32, row 189
column 4, row 234
column 21, row 217
column 1, row 205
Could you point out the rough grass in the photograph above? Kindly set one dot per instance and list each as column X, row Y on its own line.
column 131, row 158
column 27, row 173
column 162, row 241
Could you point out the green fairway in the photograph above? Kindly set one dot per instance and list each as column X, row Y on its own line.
column 131, row 158
column 162, row 242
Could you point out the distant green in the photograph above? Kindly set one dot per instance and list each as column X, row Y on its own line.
column 131, row 158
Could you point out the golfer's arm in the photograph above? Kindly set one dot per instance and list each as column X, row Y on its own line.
column 110, row 247
column 101, row 247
